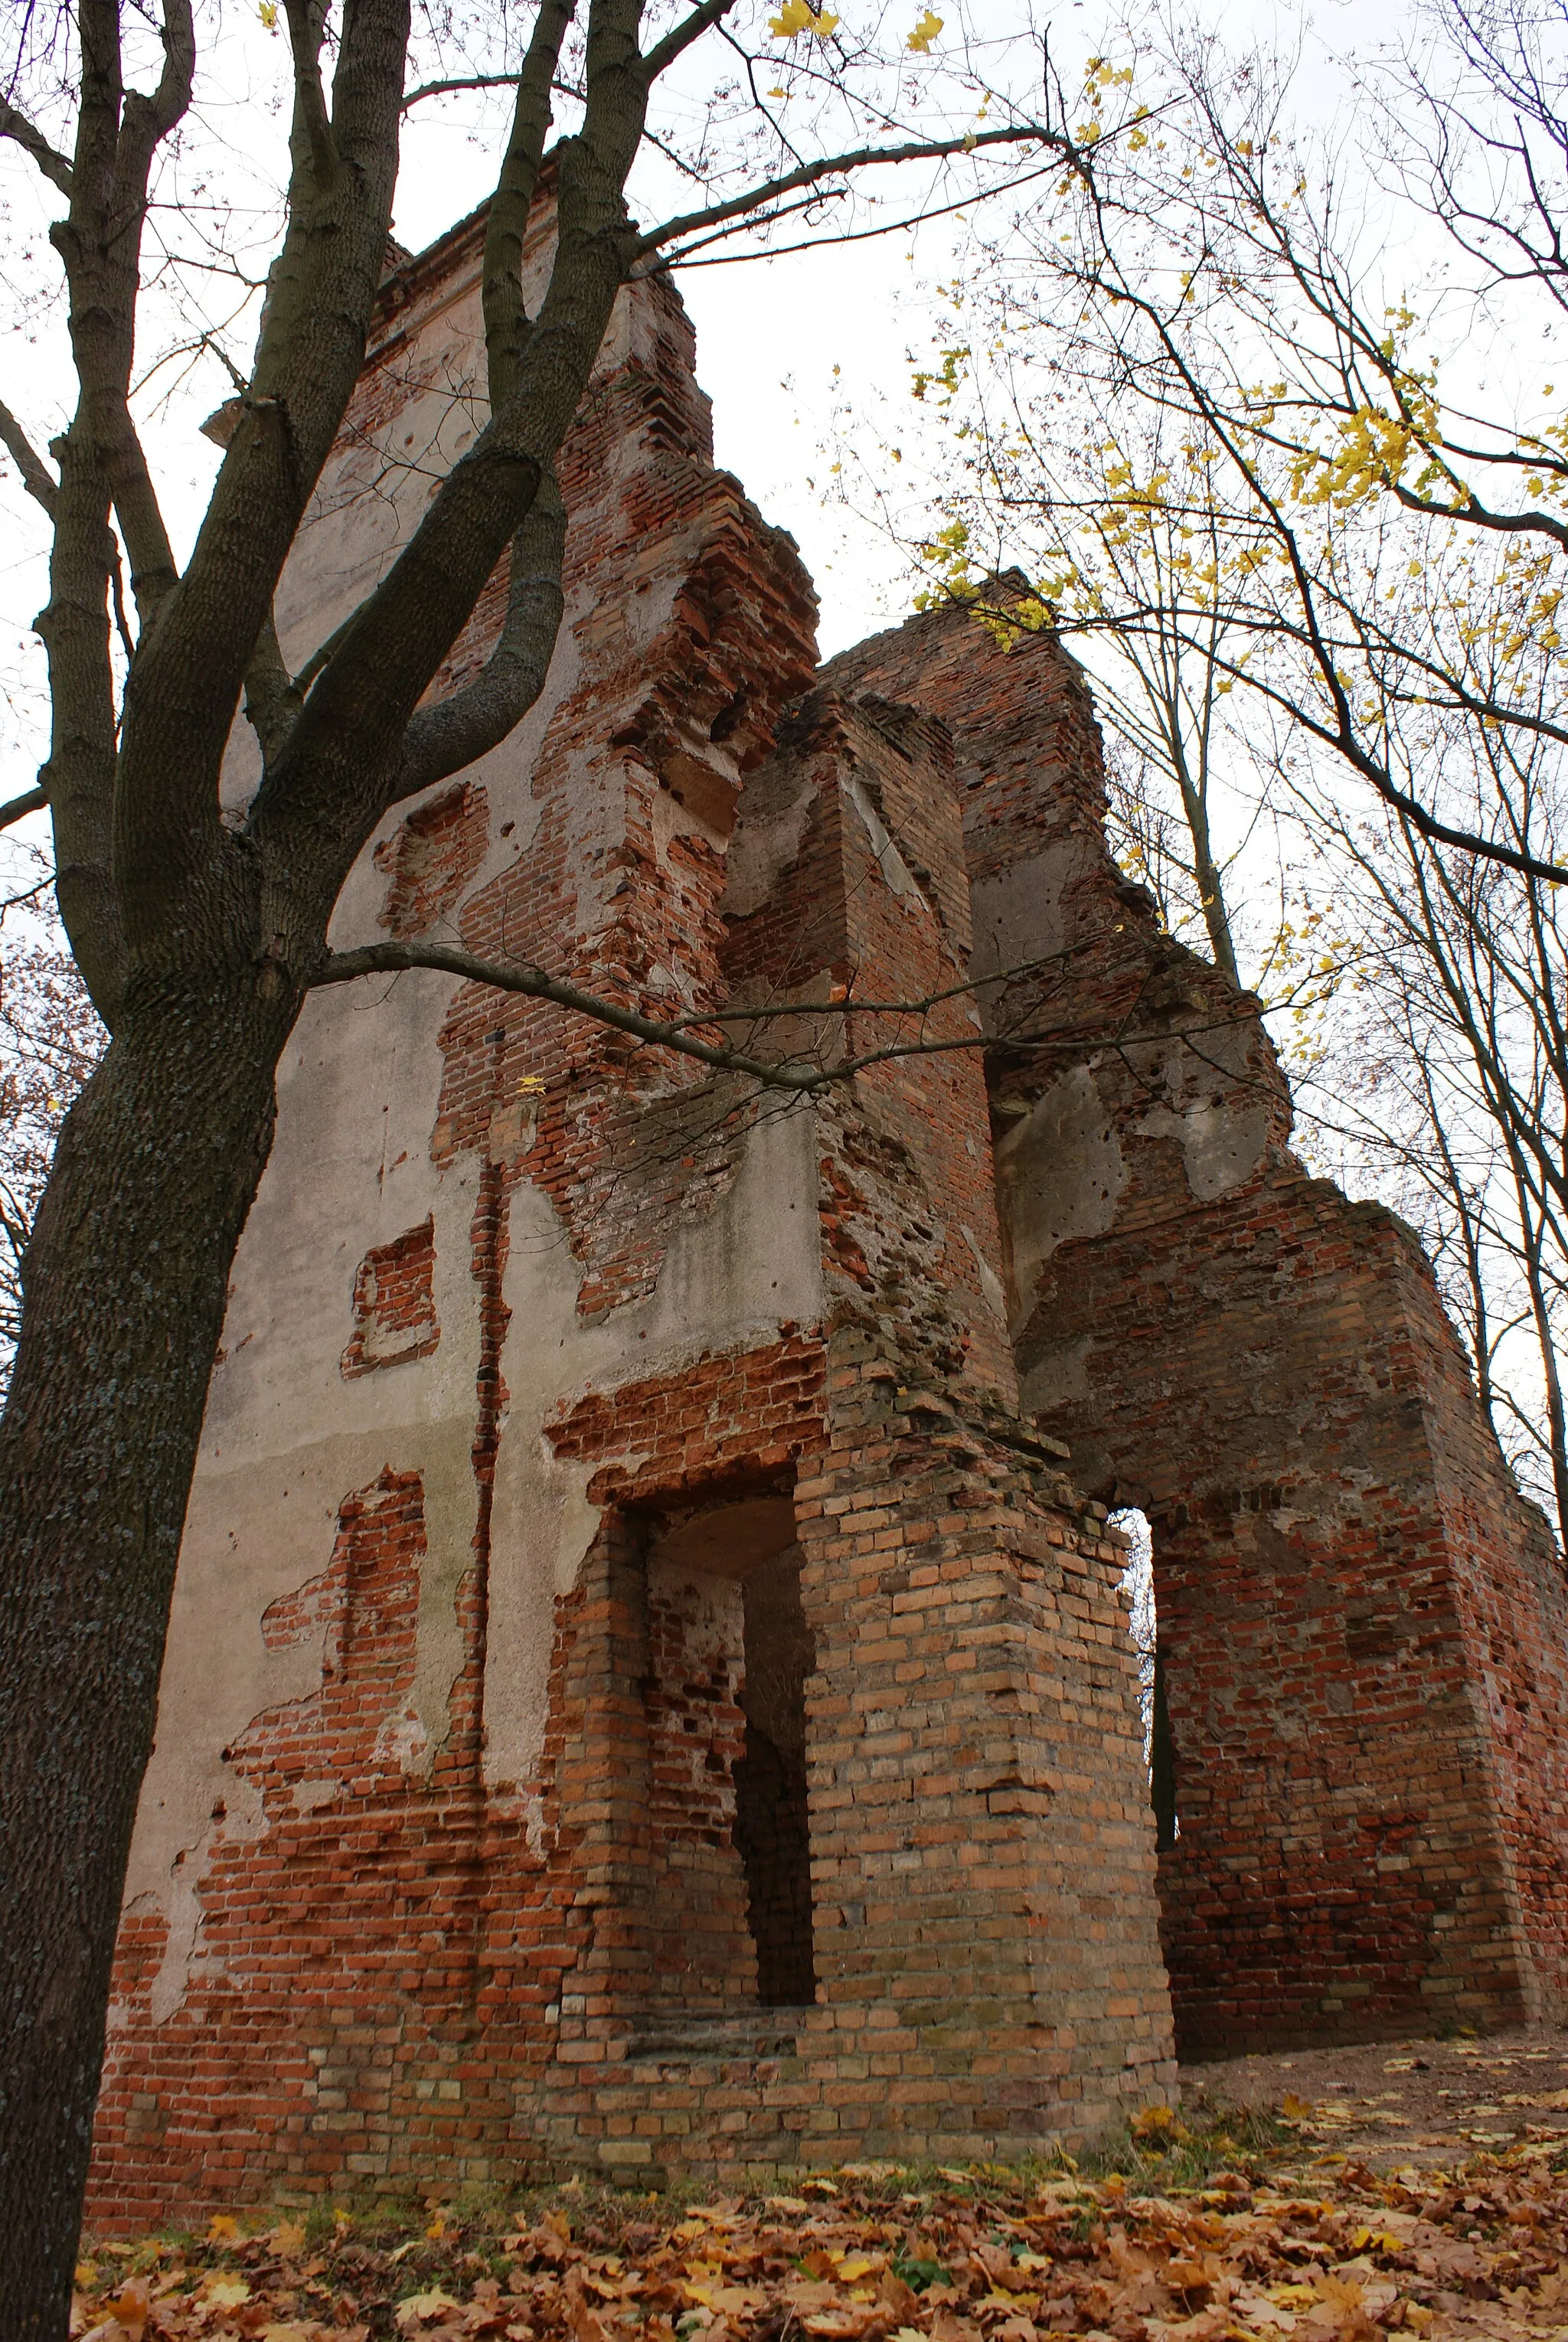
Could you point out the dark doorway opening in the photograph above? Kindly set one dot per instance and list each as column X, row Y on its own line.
column 728, row 1836
column 772, row 1831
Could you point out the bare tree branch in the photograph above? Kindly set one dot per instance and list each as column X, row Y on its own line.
column 146, row 124
column 534, row 984
column 506, row 323
column 455, row 732
column 36, row 477
column 857, row 158
column 679, row 37
column 53, row 165
column 307, row 19
column 341, row 764
column 79, row 772
column 460, row 82
column 30, row 801
column 321, row 290
column 791, row 1073
column 272, row 700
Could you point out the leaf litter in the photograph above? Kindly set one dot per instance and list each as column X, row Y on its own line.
column 1220, row 2227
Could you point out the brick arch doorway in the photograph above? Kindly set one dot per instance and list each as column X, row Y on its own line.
column 1327, row 1846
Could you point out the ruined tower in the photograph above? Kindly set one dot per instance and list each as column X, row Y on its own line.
column 649, row 1686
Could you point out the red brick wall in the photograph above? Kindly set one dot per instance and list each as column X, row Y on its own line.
column 408, row 1974
column 385, row 1965
column 432, row 857
column 394, row 1306
column 982, row 1859
column 869, row 904
column 1364, row 1632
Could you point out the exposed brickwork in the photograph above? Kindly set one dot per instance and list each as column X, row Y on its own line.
column 971, row 1829
column 394, row 1306
column 1364, row 1632
column 856, row 826
column 428, row 862
column 684, row 1716
column 722, row 1421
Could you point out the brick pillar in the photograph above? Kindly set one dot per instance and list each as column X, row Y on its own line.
column 1340, row 1868
column 1365, row 1630
column 603, row 1799
column 982, row 1843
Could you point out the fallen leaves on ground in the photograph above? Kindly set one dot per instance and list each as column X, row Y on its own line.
column 1329, row 2252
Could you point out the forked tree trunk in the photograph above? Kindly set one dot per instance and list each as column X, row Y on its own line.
column 125, row 1285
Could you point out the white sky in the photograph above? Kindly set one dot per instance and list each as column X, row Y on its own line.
column 770, row 332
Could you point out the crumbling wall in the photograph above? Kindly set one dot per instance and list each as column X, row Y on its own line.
column 1364, row 1630
column 499, row 1820
column 438, row 1875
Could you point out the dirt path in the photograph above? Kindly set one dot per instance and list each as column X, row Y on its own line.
column 1429, row 2104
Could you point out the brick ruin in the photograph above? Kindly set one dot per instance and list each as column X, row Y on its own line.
column 650, row 1685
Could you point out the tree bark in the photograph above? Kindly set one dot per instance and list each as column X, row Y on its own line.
column 126, row 1276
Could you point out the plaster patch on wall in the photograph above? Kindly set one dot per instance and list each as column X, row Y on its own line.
column 698, row 788
column 403, row 1741
column 895, row 869
column 254, row 1535
column 767, row 842
column 729, row 1278
column 1059, row 1172
column 309, row 1795
column 178, row 1898
column 990, row 1283
column 1217, row 1117
column 183, row 1911
column 1057, row 1376
column 1019, row 915
column 726, row 1283
column 351, row 1167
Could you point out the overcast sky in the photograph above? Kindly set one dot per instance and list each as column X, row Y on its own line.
column 770, row 332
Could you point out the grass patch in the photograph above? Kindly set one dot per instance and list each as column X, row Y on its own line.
column 1164, row 2153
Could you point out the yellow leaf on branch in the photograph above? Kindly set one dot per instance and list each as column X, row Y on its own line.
column 795, row 17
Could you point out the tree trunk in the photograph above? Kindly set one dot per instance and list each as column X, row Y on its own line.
column 125, row 1286
column 1206, row 871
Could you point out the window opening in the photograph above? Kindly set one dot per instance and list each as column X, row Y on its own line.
column 1158, row 1756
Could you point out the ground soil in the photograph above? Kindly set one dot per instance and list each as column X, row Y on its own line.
column 1432, row 2104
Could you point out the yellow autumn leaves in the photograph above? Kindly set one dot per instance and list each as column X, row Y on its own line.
column 797, row 17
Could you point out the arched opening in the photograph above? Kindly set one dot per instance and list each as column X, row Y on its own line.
column 1143, row 1626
